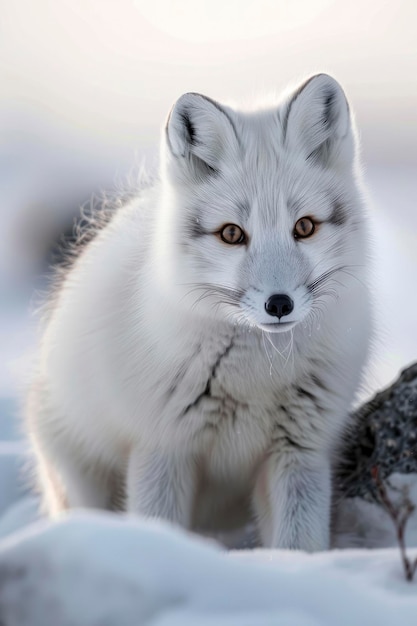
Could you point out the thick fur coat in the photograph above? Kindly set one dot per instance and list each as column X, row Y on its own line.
column 203, row 351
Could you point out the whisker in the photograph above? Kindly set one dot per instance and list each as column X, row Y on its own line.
column 345, row 271
column 267, row 354
column 275, row 347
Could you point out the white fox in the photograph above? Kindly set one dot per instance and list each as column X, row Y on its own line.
column 203, row 351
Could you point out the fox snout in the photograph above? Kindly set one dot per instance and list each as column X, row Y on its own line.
column 279, row 305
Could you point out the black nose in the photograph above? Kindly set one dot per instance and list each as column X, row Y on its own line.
column 279, row 305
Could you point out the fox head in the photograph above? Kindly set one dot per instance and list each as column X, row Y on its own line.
column 261, row 212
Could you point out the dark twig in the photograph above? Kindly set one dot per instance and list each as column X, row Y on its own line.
column 400, row 515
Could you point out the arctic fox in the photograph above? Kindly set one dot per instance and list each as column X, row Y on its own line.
column 202, row 353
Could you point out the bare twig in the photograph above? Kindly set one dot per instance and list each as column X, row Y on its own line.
column 400, row 515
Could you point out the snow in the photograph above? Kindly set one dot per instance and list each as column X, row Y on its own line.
column 93, row 568
column 100, row 568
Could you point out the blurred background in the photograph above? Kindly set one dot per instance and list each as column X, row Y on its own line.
column 85, row 86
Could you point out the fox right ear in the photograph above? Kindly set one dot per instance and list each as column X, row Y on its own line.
column 317, row 123
column 199, row 133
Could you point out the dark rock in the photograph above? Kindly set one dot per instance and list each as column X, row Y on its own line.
column 383, row 434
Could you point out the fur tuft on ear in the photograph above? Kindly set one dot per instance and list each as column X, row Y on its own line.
column 199, row 133
column 317, row 122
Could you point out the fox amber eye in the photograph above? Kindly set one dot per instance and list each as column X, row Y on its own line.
column 304, row 227
column 232, row 234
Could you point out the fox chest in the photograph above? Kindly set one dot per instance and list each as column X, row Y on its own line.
column 230, row 408
column 227, row 431
column 232, row 414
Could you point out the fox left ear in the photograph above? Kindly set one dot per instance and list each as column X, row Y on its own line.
column 317, row 122
column 199, row 134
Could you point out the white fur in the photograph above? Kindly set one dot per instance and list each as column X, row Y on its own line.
column 118, row 413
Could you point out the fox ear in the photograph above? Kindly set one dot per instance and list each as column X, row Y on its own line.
column 317, row 122
column 199, row 134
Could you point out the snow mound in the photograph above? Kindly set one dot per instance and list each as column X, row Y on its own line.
column 96, row 569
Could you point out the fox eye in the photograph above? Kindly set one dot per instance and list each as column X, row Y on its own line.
column 304, row 228
column 232, row 234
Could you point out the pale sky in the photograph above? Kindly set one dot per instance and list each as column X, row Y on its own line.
column 110, row 69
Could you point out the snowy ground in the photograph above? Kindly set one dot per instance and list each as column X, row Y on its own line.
column 96, row 569
column 100, row 569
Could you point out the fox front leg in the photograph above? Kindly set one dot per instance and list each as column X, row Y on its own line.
column 292, row 500
column 160, row 484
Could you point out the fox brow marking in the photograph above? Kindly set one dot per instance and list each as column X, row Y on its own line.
column 338, row 216
column 196, row 230
column 194, row 227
